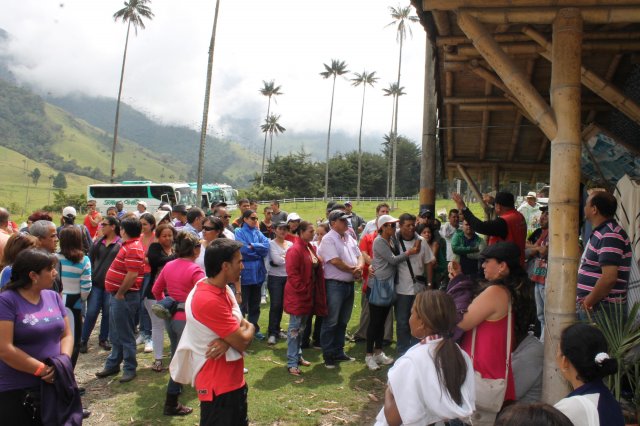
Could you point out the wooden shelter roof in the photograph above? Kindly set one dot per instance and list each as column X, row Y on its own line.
column 481, row 125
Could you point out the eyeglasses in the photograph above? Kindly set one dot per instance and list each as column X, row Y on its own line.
column 390, row 225
column 210, row 228
column 253, row 217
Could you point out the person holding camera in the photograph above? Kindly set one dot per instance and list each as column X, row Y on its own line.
column 413, row 277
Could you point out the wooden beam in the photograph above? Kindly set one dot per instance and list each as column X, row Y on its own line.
column 429, row 130
column 593, row 82
column 448, row 91
column 472, row 185
column 524, row 48
column 514, row 37
column 487, row 107
column 441, row 20
column 515, row 133
column 484, row 132
column 546, row 15
column 488, row 164
column 511, row 76
column 544, row 144
column 476, row 100
column 428, row 5
column 564, row 253
column 613, row 66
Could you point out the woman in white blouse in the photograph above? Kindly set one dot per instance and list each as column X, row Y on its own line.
column 276, row 279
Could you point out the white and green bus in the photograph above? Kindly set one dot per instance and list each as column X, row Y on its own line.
column 131, row 192
column 213, row 193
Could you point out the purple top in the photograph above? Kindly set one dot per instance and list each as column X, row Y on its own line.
column 334, row 246
column 37, row 330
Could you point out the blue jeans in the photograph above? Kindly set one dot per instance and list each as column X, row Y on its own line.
column 174, row 330
column 99, row 300
column 145, row 319
column 297, row 324
column 334, row 326
column 403, row 311
column 540, row 296
column 276, row 299
column 122, row 314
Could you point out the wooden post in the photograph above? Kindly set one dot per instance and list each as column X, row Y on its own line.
column 472, row 184
column 509, row 73
column 564, row 195
column 448, row 91
column 429, row 124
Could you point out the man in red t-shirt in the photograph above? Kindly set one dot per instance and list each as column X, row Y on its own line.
column 123, row 281
column 220, row 383
column 93, row 218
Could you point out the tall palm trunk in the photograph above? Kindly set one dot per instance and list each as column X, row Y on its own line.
column 394, row 142
column 264, row 147
column 389, row 149
column 270, row 144
column 115, row 128
column 364, row 90
column 205, row 113
column 326, row 168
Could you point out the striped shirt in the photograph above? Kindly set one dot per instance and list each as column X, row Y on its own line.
column 130, row 258
column 608, row 246
column 76, row 277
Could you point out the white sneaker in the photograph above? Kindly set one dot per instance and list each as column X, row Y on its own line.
column 371, row 363
column 381, row 358
column 139, row 339
column 245, row 370
column 148, row 346
column 271, row 340
column 263, row 300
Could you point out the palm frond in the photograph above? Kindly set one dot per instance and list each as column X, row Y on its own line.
column 133, row 12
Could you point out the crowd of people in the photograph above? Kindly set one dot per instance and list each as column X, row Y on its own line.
column 467, row 299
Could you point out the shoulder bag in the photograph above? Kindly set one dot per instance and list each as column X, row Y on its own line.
column 419, row 282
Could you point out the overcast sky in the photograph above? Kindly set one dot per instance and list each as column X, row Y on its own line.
column 69, row 46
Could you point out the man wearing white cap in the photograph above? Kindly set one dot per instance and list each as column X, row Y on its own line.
column 68, row 219
column 530, row 209
column 141, row 208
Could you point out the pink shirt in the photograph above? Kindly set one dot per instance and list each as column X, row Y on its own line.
column 178, row 277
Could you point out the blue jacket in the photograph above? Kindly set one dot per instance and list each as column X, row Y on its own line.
column 254, row 271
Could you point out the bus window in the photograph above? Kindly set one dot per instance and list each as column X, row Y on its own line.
column 119, row 192
column 164, row 193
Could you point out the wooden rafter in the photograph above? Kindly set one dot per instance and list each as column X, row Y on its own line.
column 613, row 66
column 527, row 48
column 516, row 37
column 489, row 164
column 546, row 15
column 515, row 133
column 441, row 20
column 457, row 4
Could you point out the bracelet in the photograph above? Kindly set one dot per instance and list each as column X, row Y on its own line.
column 39, row 370
column 238, row 293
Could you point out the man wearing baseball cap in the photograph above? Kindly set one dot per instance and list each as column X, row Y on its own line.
column 530, row 209
column 141, row 208
column 343, row 264
column 508, row 226
column 68, row 219
column 357, row 222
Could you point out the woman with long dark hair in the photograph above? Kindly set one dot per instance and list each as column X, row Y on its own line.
column 584, row 362
column 75, row 274
column 15, row 244
column 33, row 328
column 433, row 380
column 147, row 237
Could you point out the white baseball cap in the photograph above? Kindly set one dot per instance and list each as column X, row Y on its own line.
column 384, row 219
column 143, row 203
column 532, row 194
column 293, row 216
column 69, row 211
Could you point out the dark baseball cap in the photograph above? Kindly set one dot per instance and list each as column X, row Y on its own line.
column 504, row 251
column 426, row 213
column 338, row 215
column 505, row 199
column 180, row 208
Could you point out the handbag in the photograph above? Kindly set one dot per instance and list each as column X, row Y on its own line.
column 382, row 292
column 490, row 392
column 419, row 282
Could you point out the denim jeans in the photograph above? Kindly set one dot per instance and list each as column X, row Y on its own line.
column 334, row 326
column 99, row 300
column 540, row 296
column 145, row 319
column 122, row 314
column 403, row 332
column 250, row 305
column 174, row 330
column 297, row 324
column 276, row 300
column 312, row 331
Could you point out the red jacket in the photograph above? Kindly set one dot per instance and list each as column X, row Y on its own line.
column 517, row 231
column 304, row 295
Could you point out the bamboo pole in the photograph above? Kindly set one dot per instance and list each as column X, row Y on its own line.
column 441, row 20
column 488, row 164
column 513, row 78
column 457, row 100
column 564, row 195
column 525, row 48
column 472, row 185
column 545, row 16
column 448, row 91
column 517, row 121
column 613, row 66
column 443, row 41
column 429, row 129
column 593, row 82
column 484, row 132
column 428, row 5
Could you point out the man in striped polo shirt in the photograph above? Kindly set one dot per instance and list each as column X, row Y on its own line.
column 123, row 281
column 603, row 276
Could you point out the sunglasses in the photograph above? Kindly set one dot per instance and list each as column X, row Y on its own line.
column 253, row 217
column 210, row 228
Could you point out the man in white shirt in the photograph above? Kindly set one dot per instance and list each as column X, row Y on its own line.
column 382, row 208
column 530, row 209
column 409, row 280
column 449, row 229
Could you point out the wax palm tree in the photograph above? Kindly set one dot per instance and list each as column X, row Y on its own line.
column 395, row 91
column 269, row 89
column 132, row 13
column 337, row 68
column 363, row 79
column 270, row 127
column 205, row 112
column 401, row 18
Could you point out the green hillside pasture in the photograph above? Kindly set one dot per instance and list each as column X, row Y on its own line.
column 249, row 164
column 81, row 141
column 14, row 178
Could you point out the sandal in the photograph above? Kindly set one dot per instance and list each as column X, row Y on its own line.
column 294, row 371
column 303, row 362
column 157, row 366
column 178, row 410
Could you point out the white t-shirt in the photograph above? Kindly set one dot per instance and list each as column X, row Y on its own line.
column 277, row 256
column 405, row 282
column 447, row 231
column 581, row 409
column 420, row 397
